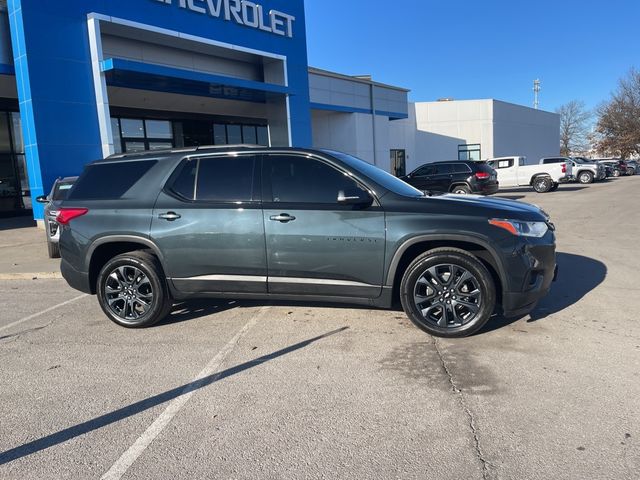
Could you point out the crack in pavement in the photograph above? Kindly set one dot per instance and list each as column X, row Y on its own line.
column 463, row 402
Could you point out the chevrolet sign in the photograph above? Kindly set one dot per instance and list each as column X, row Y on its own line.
column 242, row 12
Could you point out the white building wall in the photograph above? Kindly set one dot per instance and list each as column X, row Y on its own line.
column 522, row 131
column 501, row 129
column 353, row 133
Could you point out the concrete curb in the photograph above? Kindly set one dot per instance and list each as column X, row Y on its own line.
column 31, row 276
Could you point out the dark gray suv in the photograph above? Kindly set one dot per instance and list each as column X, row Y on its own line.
column 145, row 230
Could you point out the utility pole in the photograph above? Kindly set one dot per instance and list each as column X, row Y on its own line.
column 536, row 93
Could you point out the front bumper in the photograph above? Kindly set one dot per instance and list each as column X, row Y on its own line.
column 533, row 270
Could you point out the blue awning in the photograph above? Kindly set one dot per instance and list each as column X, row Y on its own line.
column 160, row 78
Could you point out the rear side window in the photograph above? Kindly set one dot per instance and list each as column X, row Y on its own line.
column 444, row 169
column 461, row 168
column 61, row 191
column 226, row 179
column 109, row 181
column 424, row 171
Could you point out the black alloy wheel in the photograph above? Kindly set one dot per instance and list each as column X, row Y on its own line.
column 132, row 290
column 448, row 292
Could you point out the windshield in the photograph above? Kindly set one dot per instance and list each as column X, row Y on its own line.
column 378, row 175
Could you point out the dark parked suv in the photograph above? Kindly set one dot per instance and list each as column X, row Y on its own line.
column 460, row 177
column 144, row 230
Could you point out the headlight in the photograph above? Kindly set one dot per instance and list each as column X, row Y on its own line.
column 521, row 229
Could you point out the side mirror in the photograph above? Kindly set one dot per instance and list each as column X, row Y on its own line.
column 42, row 199
column 354, row 196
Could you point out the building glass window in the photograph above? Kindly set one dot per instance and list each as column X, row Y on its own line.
column 234, row 134
column 249, row 134
column 138, row 135
column 263, row 136
column 469, row 152
column 14, row 180
column 219, row 134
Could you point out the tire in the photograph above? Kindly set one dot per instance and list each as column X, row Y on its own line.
column 555, row 187
column 430, row 275
column 585, row 178
column 542, row 184
column 53, row 248
column 139, row 276
column 616, row 173
column 631, row 171
column 461, row 190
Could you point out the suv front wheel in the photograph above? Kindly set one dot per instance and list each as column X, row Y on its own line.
column 132, row 290
column 448, row 292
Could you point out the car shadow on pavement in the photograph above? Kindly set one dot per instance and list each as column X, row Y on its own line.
column 574, row 188
column 196, row 308
column 143, row 405
column 577, row 276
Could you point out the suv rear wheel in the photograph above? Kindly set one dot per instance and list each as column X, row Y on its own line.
column 448, row 292
column 132, row 290
column 461, row 190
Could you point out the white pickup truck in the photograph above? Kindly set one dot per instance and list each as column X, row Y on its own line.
column 514, row 172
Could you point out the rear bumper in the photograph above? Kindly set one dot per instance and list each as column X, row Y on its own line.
column 567, row 179
column 75, row 279
column 540, row 271
column 489, row 189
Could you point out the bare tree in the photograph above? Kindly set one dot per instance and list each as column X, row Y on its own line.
column 575, row 126
column 618, row 126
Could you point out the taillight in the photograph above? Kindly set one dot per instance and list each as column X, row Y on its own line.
column 483, row 176
column 564, row 168
column 65, row 215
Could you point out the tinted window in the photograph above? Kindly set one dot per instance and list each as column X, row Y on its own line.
column 461, row 168
column 304, row 180
column 226, row 179
column 62, row 190
column 444, row 169
column 424, row 171
column 184, row 183
column 109, row 180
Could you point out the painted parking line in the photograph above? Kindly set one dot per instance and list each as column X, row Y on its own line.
column 43, row 312
column 128, row 458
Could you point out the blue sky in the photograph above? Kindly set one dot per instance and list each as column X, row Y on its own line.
column 480, row 48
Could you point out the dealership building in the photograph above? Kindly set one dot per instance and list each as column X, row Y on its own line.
column 83, row 79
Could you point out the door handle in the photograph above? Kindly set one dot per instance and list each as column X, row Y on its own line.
column 169, row 216
column 282, row 218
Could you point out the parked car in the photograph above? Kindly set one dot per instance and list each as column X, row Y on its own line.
column 633, row 167
column 618, row 167
column 583, row 171
column 58, row 194
column 460, row 177
column 144, row 230
column 514, row 172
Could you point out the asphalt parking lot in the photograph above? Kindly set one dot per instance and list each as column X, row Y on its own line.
column 248, row 390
